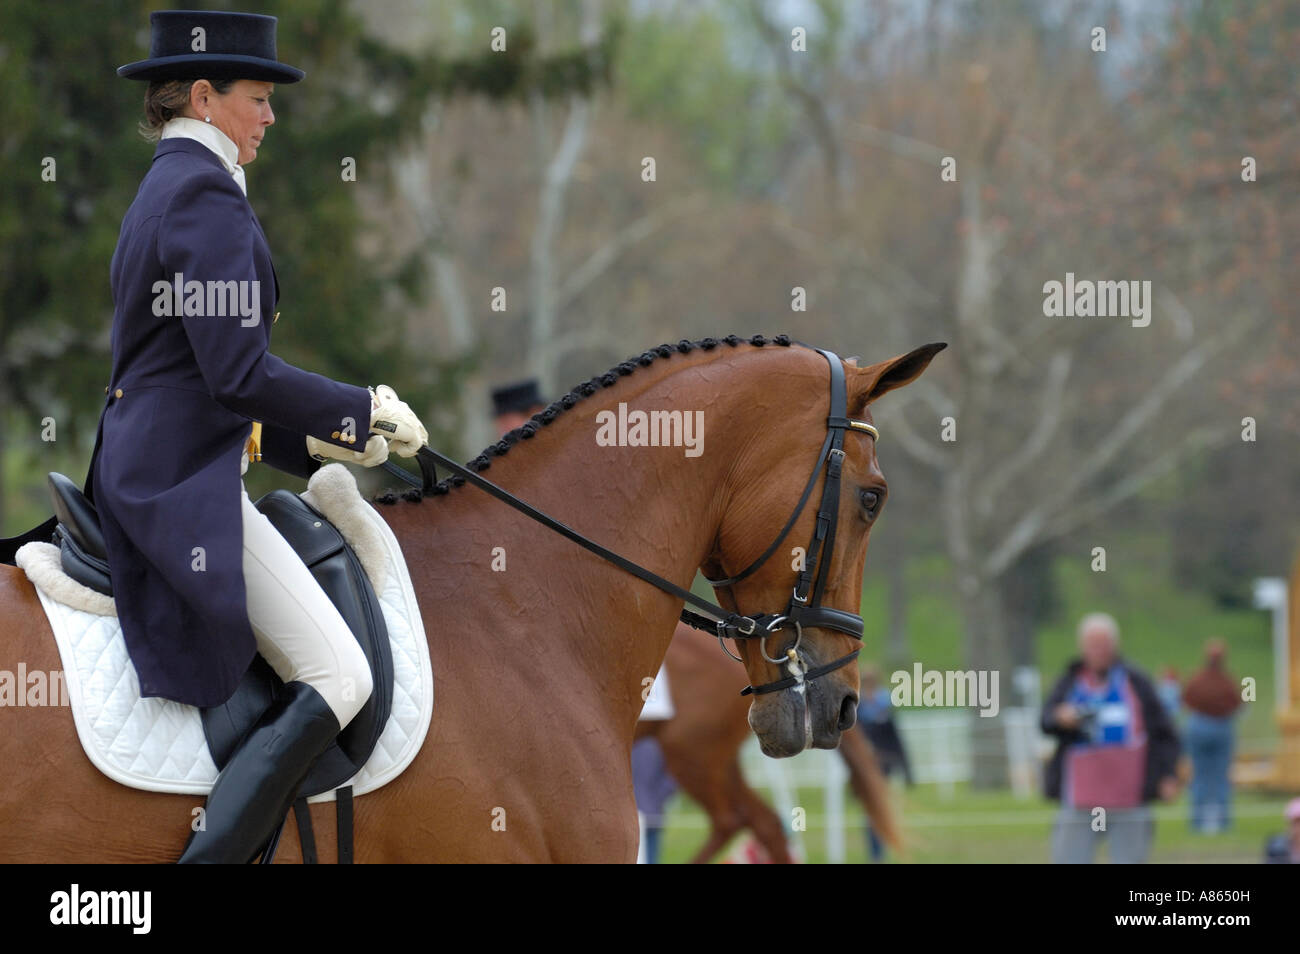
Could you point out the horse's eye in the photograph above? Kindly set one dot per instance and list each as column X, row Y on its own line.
column 871, row 500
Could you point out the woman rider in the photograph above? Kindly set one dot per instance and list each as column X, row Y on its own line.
column 202, row 579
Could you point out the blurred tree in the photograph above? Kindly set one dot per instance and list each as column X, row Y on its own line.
column 1052, row 422
column 71, row 162
column 63, row 101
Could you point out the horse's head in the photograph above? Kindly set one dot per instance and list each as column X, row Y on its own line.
column 767, row 485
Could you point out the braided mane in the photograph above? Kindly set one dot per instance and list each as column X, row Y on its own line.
column 586, row 389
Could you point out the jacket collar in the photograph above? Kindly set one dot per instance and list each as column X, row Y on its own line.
column 197, row 149
column 191, row 146
column 213, row 141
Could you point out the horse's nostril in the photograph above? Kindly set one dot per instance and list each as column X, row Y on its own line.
column 848, row 712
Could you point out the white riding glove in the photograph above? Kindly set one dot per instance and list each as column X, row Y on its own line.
column 396, row 421
column 374, row 453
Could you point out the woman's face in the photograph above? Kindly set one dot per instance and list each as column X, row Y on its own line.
column 242, row 112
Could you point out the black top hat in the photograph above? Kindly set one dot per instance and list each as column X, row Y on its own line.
column 520, row 396
column 229, row 46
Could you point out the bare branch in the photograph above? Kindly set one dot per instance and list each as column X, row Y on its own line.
column 567, row 342
column 1026, row 530
column 609, row 251
column 1137, row 481
column 898, row 144
column 544, row 309
column 1051, row 405
column 896, row 425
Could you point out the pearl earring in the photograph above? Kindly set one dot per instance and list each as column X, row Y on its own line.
column 207, row 119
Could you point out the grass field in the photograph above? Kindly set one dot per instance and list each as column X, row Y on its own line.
column 997, row 828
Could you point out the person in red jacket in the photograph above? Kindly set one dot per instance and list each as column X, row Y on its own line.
column 1211, row 697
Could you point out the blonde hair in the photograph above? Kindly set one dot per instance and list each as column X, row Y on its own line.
column 164, row 100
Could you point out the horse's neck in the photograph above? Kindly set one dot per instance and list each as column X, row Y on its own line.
column 561, row 615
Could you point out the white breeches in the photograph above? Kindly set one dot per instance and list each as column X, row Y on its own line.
column 299, row 631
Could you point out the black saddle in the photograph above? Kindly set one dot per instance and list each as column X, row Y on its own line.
column 340, row 574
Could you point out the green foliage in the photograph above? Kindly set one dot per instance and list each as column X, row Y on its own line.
column 712, row 81
column 57, row 237
column 1162, row 625
column 987, row 827
column 1224, row 519
column 63, row 100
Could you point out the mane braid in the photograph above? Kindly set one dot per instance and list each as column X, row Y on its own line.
column 586, row 389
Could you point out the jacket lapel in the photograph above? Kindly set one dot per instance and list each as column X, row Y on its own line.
column 195, row 148
column 274, row 277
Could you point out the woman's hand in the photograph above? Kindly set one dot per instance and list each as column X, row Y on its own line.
column 374, row 454
column 396, row 421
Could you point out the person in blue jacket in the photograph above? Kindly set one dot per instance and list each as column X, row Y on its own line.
column 202, row 580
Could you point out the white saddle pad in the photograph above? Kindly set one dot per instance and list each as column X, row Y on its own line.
column 158, row 745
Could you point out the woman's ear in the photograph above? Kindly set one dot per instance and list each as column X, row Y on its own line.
column 200, row 90
column 874, row 380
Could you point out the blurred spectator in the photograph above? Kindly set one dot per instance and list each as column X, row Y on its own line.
column 653, row 786
column 876, row 719
column 1285, row 849
column 513, row 404
column 1170, row 691
column 1116, row 750
column 1212, row 697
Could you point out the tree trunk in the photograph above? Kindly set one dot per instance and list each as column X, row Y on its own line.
column 988, row 651
column 897, row 652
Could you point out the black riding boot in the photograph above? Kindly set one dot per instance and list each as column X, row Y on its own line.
column 256, row 789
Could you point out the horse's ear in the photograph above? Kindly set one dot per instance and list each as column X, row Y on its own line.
column 877, row 379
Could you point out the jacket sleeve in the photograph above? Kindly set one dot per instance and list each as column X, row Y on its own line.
column 207, row 235
column 1047, row 719
column 1165, row 747
column 286, row 450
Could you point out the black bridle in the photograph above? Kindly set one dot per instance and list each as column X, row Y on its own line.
column 805, row 607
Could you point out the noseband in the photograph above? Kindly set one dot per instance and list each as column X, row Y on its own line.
column 805, row 608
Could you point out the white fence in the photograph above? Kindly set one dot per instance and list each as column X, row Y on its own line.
column 940, row 748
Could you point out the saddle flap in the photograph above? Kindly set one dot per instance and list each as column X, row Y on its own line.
column 81, row 566
column 78, row 516
column 340, row 574
column 312, row 536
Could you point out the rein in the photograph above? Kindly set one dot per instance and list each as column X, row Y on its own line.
column 805, row 607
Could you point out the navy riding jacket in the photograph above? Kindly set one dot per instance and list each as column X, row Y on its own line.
column 184, row 391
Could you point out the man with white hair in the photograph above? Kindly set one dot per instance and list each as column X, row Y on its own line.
column 1116, row 751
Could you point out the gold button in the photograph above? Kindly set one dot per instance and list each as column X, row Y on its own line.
column 352, row 438
column 105, row 388
column 335, row 435
column 117, row 393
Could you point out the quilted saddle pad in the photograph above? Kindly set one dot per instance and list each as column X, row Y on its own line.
column 158, row 745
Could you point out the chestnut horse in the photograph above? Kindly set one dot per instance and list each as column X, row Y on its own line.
column 538, row 673
column 701, row 748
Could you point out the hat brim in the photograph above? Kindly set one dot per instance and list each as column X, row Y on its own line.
column 211, row 66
